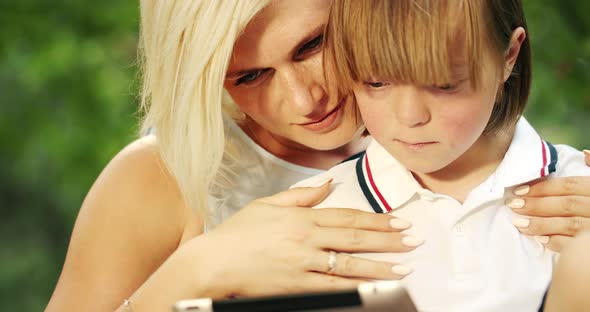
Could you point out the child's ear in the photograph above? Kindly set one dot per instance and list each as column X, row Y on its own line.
column 511, row 55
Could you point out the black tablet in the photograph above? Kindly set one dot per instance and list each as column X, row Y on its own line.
column 374, row 297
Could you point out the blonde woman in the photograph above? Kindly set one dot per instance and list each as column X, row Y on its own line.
column 156, row 226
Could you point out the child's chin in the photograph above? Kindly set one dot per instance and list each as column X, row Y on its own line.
column 424, row 167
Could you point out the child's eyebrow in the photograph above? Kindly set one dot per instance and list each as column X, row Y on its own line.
column 459, row 68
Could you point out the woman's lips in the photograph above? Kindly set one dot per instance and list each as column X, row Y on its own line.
column 324, row 122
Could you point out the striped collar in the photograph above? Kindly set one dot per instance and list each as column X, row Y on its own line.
column 528, row 158
column 387, row 184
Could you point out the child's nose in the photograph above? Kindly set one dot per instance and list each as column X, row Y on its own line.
column 412, row 109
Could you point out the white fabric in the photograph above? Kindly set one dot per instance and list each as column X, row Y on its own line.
column 259, row 173
column 473, row 258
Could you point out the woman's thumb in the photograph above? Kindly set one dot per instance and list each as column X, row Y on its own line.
column 300, row 196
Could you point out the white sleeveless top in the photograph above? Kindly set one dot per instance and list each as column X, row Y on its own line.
column 258, row 174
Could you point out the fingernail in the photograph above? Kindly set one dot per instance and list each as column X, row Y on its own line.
column 399, row 224
column 412, row 241
column 521, row 222
column 401, row 269
column 324, row 182
column 542, row 239
column 522, row 190
column 515, row 203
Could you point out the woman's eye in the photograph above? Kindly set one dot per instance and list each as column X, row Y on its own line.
column 248, row 78
column 311, row 45
column 376, row 84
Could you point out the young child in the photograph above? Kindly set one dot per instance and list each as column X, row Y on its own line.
column 441, row 86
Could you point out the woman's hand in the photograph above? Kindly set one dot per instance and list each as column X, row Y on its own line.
column 278, row 245
column 554, row 210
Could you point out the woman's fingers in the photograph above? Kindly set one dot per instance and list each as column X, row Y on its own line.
column 313, row 281
column 353, row 218
column 355, row 240
column 346, row 265
column 299, row 196
column 334, row 217
column 564, row 226
column 304, row 282
column 555, row 187
column 558, row 207
column 556, row 242
column 551, row 206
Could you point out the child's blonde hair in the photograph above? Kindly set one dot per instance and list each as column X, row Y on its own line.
column 409, row 41
column 185, row 48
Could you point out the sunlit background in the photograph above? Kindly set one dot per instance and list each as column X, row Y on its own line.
column 69, row 103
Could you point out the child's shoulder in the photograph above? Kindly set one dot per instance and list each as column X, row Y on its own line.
column 345, row 191
column 570, row 162
column 341, row 173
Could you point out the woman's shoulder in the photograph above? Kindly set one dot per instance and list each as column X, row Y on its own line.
column 140, row 160
column 138, row 180
column 136, row 190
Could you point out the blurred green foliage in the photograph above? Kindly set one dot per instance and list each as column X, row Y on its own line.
column 69, row 102
column 559, row 106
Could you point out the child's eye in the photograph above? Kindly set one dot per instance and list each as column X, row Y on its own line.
column 376, row 84
column 451, row 87
column 446, row 87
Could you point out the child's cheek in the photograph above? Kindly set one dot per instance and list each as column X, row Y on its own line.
column 464, row 126
column 373, row 120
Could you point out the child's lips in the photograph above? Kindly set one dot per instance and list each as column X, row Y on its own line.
column 416, row 145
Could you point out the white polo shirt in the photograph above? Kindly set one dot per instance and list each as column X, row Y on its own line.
column 473, row 258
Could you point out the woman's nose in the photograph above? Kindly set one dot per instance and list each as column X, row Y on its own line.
column 304, row 92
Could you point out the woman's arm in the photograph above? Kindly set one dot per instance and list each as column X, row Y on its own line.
column 131, row 221
column 134, row 238
column 571, row 277
column 558, row 208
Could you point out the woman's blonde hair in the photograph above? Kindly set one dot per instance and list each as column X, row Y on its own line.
column 185, row 49
column 410, row 41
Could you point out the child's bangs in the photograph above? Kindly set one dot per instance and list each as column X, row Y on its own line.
column 423, row 42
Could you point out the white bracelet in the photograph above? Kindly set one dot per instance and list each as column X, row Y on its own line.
column 127, row 306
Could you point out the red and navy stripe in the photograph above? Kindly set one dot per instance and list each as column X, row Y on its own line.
column 549, row 154
column 368, row 186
